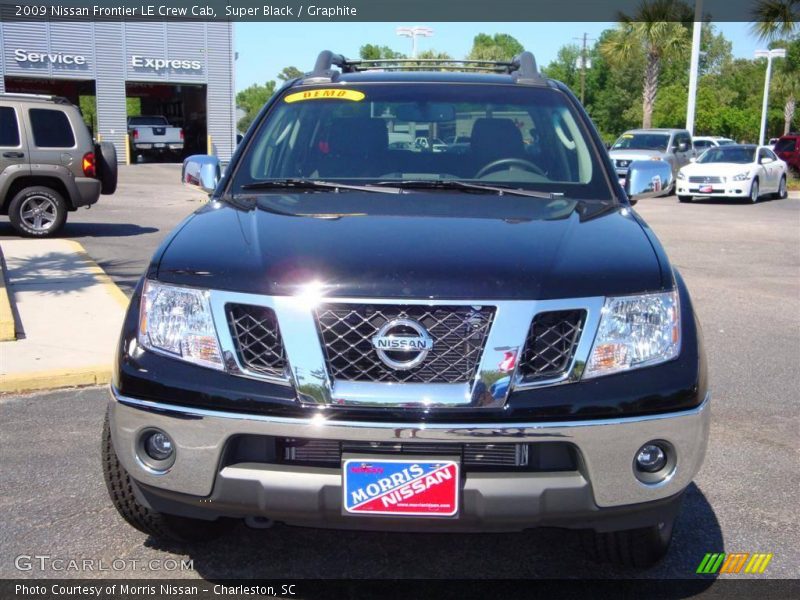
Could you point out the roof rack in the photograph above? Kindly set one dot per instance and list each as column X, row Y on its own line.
column 522, row 67
column 48, row 97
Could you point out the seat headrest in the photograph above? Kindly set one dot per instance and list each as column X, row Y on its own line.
column 358, row 136
column 496, row 137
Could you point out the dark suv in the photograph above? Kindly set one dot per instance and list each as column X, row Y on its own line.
column 364, row 335
column 49, row 165
column 788, row 150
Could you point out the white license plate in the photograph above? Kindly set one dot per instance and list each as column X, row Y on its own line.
column 159, row 145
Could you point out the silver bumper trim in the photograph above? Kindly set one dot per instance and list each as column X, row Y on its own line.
column 606, row 446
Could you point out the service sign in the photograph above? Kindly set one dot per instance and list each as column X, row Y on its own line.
column 401, row 487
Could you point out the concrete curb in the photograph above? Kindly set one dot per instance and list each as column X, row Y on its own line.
column 55, row 379
column 7, row 328
column 69, row 377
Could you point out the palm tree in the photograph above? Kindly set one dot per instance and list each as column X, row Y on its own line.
column 787, row 85
column 655, row 31
column 775, row 19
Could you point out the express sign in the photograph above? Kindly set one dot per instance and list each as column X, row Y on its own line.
column 159, row 64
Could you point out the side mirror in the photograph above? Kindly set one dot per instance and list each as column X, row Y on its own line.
column 647, row 179
column 765, row 160
column 201, row 171
column 693, row 159
column 683, row 147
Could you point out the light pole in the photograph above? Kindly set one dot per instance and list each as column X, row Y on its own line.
column 769, row 55
column 694, row 64
column 413, row 33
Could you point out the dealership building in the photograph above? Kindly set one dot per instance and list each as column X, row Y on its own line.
column 183, row 70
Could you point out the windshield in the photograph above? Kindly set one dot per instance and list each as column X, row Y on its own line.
column 785, row 145
column 642, row 141
column 369, row 134
column 728, row 154
column 149, row 121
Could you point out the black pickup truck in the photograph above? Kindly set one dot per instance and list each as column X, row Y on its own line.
column 356, row 334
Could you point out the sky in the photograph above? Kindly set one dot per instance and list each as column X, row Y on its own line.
column 266, row 48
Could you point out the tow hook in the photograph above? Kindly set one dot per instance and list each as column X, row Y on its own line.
column 258, row 522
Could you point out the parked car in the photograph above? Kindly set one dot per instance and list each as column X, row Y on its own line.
column 49, row 165
column 347, row 336
column 701, row 143
column 152, row 135
column 673, row 146
column 734, row 171
column 788, row 150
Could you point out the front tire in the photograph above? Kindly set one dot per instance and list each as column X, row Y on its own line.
column 633, row 548
column 684, row 198
column 160, row 526
column 755, row 193
column 37, row 211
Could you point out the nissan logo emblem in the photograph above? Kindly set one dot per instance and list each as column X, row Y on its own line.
column 402, row 344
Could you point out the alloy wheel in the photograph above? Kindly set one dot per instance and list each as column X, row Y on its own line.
column 38, row 212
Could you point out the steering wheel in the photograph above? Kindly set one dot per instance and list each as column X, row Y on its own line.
column 495, row 164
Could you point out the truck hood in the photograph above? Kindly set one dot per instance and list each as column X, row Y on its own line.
column 635, row 154
column 421, row 245
column 717, row 169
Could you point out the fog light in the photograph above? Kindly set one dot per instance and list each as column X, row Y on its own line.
column 651, row 458
column 158, row 446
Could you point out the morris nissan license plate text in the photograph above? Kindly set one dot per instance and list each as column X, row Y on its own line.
column 401, row 487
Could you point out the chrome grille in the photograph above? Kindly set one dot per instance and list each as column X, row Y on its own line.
column 472, row 455
column 703, row 179
column 458, row 333
column 258, row 339
column 550, row 345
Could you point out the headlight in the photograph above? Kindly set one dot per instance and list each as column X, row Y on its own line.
column 177, row 321
column 635, row 331
column 742, row 176
column 681, row 175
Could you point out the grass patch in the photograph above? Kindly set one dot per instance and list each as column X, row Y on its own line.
column 794, row 183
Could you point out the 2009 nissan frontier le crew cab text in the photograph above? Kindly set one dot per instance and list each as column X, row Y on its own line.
column 359, row 330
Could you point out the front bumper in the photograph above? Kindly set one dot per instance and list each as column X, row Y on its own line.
column 199, row 484
column 731, row 189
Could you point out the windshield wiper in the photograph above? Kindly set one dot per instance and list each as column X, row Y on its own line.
column 456, row 184
column 316, row 184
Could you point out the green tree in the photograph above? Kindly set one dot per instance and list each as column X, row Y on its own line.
column 375, row 52
column 251, row 99
column 565, row 67
column 501, row 47
column 288, row 73
column 656, row 32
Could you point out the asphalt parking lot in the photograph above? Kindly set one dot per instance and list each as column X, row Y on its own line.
column 742, row 265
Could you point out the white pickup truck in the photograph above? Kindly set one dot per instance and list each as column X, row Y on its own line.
column 153, row 135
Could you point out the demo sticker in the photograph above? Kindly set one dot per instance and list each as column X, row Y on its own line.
column 326, row 94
